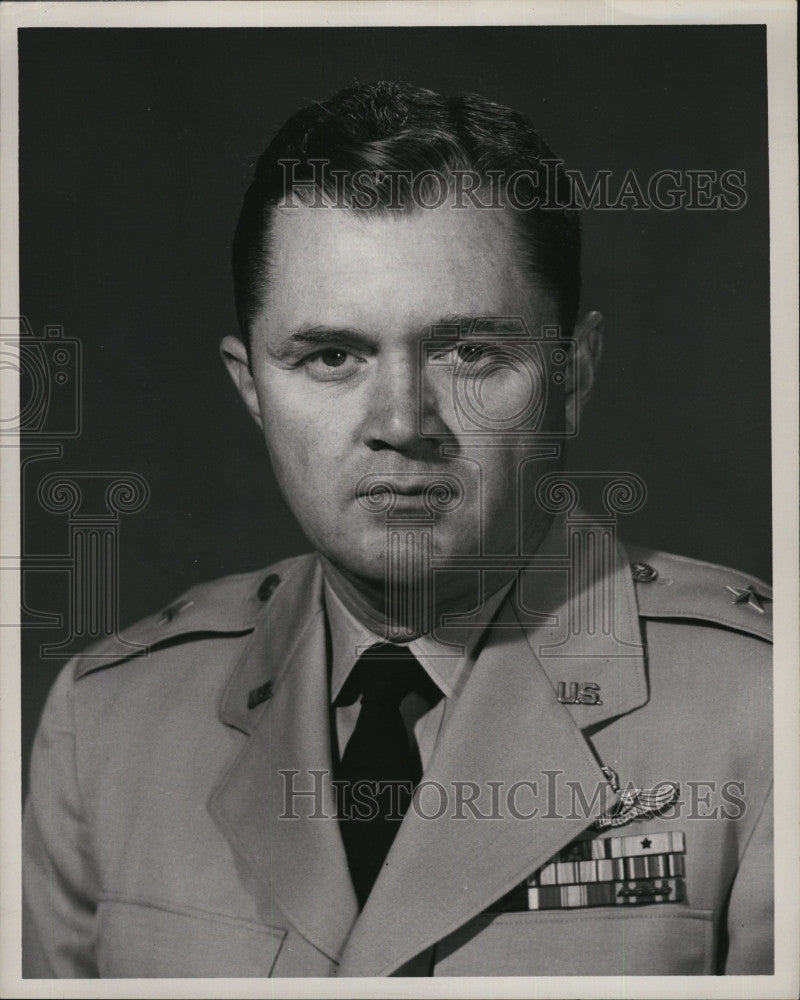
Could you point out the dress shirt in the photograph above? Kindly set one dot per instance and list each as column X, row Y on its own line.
column 447, row 657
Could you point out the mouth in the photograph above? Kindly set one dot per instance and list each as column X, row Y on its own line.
column 395, row 487
column 406, row 489
column 439, row 492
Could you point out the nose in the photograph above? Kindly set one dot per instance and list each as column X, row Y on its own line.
column 402, row 414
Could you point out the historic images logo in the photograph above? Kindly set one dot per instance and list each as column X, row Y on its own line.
column 549, row 187
column 44, row 373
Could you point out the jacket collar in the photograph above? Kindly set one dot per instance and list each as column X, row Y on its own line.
column 290, row 843
column 579, row 586
column 277, row 630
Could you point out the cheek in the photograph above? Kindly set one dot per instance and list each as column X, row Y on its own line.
column 505, row 396
column 294, row 451
column 513, row 395
column 304, row 441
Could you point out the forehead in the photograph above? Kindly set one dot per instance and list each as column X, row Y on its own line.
column 395, row 271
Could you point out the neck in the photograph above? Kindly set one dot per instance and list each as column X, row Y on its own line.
column 410, row 608
column 404, row 616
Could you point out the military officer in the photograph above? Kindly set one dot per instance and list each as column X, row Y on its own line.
column 472, row 733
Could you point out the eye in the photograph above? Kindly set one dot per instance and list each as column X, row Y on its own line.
column 482, row 360
column 332, row 364
column 479, row 360
column 464, row 355
column 469, row 354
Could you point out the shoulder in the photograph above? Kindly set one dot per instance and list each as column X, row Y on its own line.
column 678, row 589
column 707, row 633
column 229, row 606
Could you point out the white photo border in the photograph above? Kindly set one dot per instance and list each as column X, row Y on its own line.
column 779, row 16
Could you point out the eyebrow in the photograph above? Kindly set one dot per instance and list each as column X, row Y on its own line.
column 476, row 325
column 320, row 335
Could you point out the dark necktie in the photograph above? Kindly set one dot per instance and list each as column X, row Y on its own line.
column 380, row 767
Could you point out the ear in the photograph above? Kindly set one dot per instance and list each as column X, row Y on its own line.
column 588, row 336
column 234, row 354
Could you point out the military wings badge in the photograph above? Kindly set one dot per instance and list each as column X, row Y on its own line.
column 635, row 803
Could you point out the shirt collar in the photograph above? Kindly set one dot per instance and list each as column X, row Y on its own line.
column 445, row 657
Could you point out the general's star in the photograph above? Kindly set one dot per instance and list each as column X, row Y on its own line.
column 749, row 596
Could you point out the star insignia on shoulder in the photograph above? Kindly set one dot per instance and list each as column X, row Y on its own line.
column 749, row 596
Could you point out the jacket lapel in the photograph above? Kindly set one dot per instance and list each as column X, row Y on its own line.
column 289, row 842
column 507, row 727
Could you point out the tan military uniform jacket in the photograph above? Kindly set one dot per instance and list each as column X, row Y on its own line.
column 156, row 837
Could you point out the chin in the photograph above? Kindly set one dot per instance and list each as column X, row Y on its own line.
column 362, row 554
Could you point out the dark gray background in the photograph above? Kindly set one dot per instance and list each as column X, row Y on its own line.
column 135, row 149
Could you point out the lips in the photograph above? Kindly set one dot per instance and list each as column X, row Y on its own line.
column 403, row 489
column 395, row 487
column 439, row 492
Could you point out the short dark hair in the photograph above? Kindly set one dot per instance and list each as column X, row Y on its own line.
column 390, row 127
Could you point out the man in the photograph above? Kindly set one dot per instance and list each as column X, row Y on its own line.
column 471, row 734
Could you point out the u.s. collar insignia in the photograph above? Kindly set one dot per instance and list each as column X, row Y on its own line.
column 635, row 803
